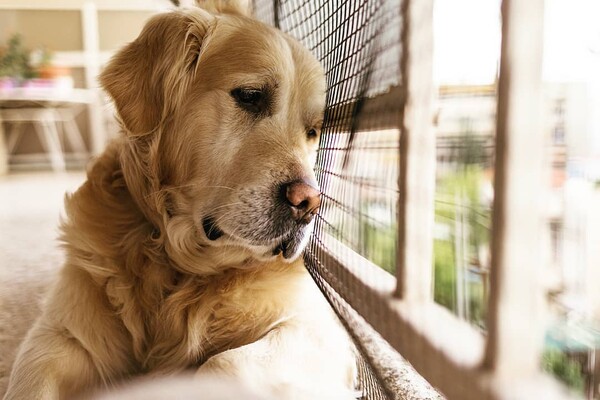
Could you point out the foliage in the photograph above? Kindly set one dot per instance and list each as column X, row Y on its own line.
column 465, row 185
column 379, row 245
column 14, row 60
column 477, row 306
column 564, row 368
column 444, row 288
column 459, row 193
column 471, row 151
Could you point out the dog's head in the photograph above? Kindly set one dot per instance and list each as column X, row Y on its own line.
column 222, row 116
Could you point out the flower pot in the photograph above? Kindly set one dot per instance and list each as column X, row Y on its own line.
column 53, row 71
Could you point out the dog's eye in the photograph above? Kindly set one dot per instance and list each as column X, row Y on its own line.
column 247, row 96
column 252, row 100
column 312, row 134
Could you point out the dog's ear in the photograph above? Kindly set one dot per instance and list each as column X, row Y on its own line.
column 148, row 77
column 239, row 7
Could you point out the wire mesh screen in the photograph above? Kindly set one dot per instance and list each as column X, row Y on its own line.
column 359, row 45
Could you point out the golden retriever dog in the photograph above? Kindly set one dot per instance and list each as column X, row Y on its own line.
column 183, row 246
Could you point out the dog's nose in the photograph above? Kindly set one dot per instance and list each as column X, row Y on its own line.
column 303, row 199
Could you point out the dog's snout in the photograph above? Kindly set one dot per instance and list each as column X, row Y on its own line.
column 303, row 199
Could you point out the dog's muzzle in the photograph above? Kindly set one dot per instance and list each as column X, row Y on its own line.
column 283, row 229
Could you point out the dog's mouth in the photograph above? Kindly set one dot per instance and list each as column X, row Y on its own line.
column 211, row 229
column 288, row 246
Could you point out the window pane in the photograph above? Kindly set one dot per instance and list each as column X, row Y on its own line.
column 467, row 48
column 360, row 192
column 358, row 44
column 463, row 202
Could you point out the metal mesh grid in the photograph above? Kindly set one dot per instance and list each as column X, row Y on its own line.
column 359, row 45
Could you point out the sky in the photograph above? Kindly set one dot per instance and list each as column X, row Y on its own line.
column 467, row 41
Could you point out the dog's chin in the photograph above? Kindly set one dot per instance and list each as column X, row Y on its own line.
column 288, row 247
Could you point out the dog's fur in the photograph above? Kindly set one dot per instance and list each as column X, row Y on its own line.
column 145, row 288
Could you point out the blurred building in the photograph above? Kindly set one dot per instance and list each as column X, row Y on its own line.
column 571, row 259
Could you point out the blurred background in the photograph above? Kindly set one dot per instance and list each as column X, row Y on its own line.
column 50, row 56
column 53, row 119
column 467, row 48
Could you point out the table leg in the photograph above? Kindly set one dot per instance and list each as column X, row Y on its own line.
column 3, row 151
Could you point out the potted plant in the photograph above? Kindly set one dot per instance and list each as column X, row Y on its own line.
column 14, row 62
column 42, row 59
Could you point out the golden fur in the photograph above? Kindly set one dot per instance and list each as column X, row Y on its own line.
column 144, row 290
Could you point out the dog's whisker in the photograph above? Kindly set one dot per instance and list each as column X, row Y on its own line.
column 223, row 255
column 225, row 206
column 219, row 187
column 233, row 233
column 169, row 188
column 222, row 217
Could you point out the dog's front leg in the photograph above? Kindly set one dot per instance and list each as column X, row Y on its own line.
column 75, row 346
column 290, row 363
column 49, row 366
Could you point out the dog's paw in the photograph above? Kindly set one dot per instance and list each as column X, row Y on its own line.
column 273, row 384
column 224, row 363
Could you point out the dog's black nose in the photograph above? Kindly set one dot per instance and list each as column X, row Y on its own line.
column 304, row 200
